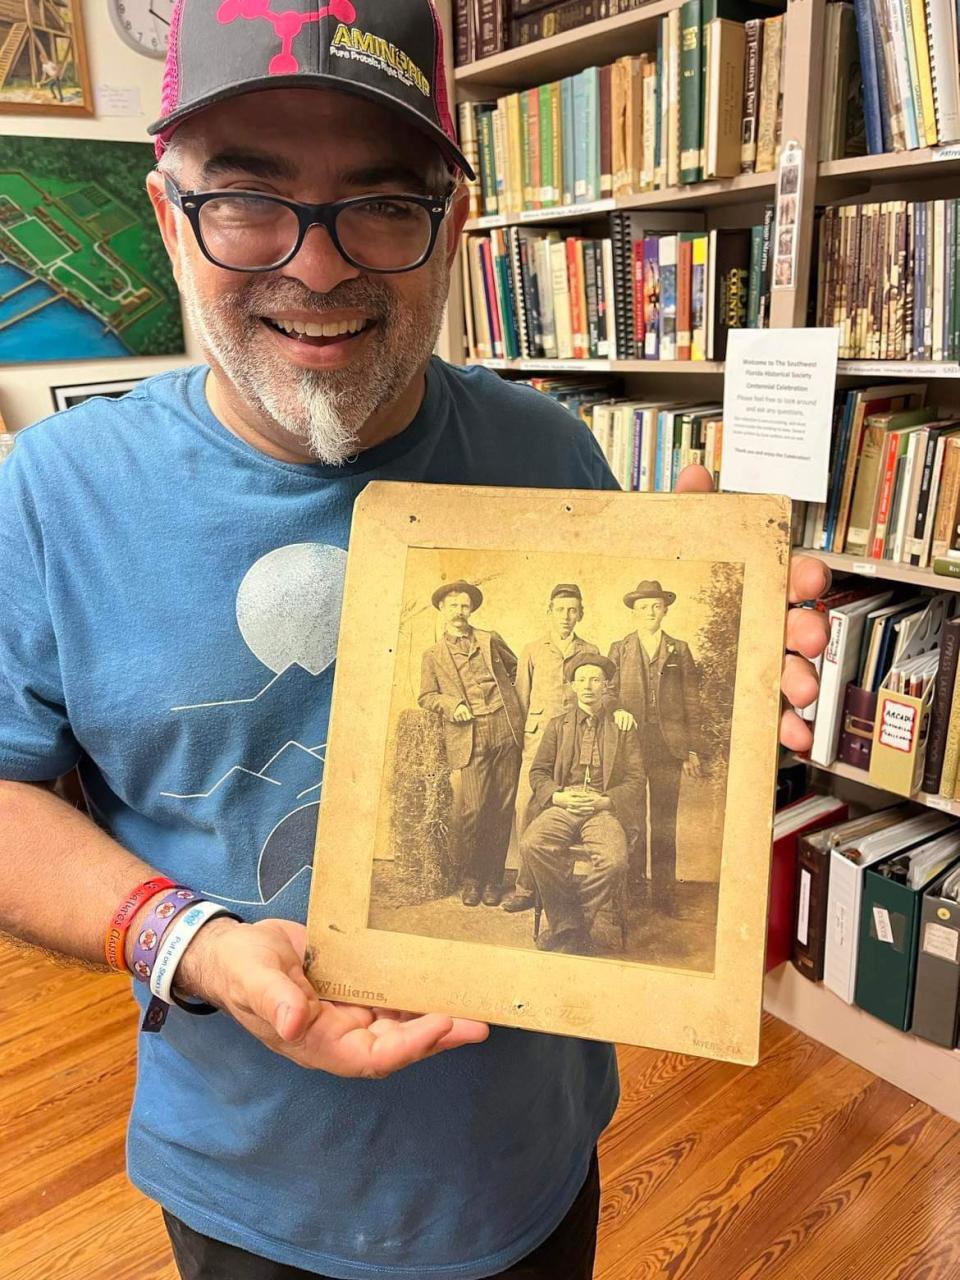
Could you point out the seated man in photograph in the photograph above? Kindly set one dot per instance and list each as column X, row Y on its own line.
column 467, row 676
column 586, row 783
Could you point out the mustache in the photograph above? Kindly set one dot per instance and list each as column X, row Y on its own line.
column 262, row 297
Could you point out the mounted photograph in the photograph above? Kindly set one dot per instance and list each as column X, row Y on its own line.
column 541, row 803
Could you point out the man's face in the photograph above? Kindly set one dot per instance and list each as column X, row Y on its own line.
column 565, row 613
column 588, row 685
column 648, row 614
column 456, row 609
column 378, row 331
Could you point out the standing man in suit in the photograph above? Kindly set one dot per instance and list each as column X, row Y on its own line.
column 657, row 684
column 468, row 677
column 544, row 693
column 587, row 781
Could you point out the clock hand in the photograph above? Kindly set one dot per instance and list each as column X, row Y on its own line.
column 159, row 16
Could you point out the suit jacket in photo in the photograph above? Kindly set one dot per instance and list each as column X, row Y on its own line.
column 541, row 687
column 441, row 689
column 677, row 690
column 622, row 767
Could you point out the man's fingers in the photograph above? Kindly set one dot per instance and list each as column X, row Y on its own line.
column 807, row 632
column 799, row 681
column 809, row 579
column 694, row 479
column 795, row 734
column 392, row 1045
column 464, row 1031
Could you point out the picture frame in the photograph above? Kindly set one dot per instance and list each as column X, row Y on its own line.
column 48, row 72
column 68, row 396
column 387, row 923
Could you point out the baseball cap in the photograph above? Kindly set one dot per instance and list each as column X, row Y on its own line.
column 389, row 53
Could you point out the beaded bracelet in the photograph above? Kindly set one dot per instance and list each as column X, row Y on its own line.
column 114, row 942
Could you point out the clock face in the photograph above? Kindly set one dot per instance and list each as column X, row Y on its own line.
column 143, row 24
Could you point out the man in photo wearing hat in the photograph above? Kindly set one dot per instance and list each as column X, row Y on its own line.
column 467, row 676
column 657, row 684
column 309, row 193
column 586, row 782
column 544, row 692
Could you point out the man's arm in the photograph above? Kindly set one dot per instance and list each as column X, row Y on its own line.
column 542, row 782
column 690, row 674
column 624, row 796
column 524, row 683
column 431, row 699
column 507, row 656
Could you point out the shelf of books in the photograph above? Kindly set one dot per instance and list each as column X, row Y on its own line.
column 884, row 569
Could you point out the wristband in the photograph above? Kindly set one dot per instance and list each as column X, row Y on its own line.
column 168, row 959
column 164, row 912
column 116, row 935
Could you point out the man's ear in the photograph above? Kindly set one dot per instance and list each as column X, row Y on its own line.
column 167, row 219
column 455, row 220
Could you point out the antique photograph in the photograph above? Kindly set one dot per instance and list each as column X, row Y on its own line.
column 560, row 734
column 549, row 774
column 43, row 59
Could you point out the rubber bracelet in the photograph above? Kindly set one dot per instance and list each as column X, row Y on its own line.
column 116, row 935
column 175, row 942
column 158, row 1008
column 164, row 912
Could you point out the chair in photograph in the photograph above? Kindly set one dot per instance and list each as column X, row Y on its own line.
column 618, row 900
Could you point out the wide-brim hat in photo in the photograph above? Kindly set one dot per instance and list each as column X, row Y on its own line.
column 573, row 665
column 448, row 588
column 648, row 590
column 389, row 53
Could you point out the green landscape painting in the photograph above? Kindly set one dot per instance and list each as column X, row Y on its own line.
column 83, row 271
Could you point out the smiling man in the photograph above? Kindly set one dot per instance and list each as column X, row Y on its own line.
column 309, row 199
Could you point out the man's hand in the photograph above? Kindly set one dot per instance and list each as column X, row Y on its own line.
column 624, row 720
column 579, row 803
column 462, row 713
column 807, row 629
column 691, row 766
column 254, row 972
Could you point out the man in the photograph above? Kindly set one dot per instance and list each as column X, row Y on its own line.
column 586, row 784
column 657, row 683
column 52, row 76
column 467, row 676
column 544, row 693
column 280, row 1135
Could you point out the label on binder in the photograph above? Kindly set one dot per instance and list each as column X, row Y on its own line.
column 803, row 911
column 938, row 941
column 881, row 922
column 897, row 725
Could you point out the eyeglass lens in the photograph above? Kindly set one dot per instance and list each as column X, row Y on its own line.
column 383, row 234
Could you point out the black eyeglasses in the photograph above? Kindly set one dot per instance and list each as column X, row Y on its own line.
column 255, row 231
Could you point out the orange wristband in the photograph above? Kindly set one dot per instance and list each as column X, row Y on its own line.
column 123, row 918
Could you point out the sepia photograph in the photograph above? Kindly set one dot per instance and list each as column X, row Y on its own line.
column 549, row 774
column 559, row 742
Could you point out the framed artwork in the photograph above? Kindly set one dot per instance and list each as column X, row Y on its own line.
column 572, row 699
column 67, row 397
column 43, row 59
column 83, row 271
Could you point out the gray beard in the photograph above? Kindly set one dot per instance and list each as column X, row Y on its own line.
column 326, row 409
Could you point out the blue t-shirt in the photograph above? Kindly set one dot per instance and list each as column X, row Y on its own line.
column 169, row 605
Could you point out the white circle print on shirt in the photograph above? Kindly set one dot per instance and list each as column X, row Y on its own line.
column 288, row 606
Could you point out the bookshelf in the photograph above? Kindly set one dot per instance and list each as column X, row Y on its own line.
column 926, row 1070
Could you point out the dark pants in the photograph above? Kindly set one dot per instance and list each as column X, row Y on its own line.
column 566, row 1255
column 664, row 771
column 572, row 902
column 487, row 792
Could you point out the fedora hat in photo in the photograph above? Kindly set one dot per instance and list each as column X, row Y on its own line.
column 475, row 594
column 648, row 590
column 573, row 665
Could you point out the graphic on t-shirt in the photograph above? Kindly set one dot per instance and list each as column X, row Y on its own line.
column 288, row 614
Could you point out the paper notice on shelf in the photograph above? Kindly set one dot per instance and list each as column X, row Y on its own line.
column 118, row 100
column 778, row 411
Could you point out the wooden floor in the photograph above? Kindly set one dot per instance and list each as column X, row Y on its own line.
column 804, row 1168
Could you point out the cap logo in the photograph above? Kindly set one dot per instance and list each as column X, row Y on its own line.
column 286, row 25
column 364, row 46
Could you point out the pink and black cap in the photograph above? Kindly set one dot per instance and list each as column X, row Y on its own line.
column 388, row 51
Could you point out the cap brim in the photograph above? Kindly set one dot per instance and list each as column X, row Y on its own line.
column 451, row 153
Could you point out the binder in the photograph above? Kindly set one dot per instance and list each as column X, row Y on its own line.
column 936, row 998
column 813, row 876
column 845, row 891
column 889, row 932
column 812, row 813
column 838, row 669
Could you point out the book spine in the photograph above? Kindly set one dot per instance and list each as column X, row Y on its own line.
column 673, row 98
column 650, row 131
column 651, row 298
column 951, row 750
column 560, row 289
column 491, row 29
column 527, row 151
column 518, row 270
column 890, row 82
column 533, row 128
column 605, row 123
column 751, row 95
column 660, row 131
column 698, row 300
column 592, row 130
column 769, row 94
column 948, row 501
column 888, row 473
column 921, row 46
column 635, row 250
column 461, row 33
column 902, row 49
column 868, row 65
column 545, row 119
column 488, row 168
column 591, row 294
column 568, row 127
column 684, row 297
column 756, row 275
column 556, row 137
column 940, row 709
column 668, row 298
column 941, row 26
column 691, row 105
column 555, row 21
column 580, row 148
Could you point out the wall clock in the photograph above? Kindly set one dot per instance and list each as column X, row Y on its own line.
column 143, row 24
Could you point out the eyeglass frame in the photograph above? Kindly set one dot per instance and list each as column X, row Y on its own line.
column 190, row 204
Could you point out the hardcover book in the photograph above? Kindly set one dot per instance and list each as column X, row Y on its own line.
column 647, row 923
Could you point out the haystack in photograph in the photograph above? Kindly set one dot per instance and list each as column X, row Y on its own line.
column 550, row 772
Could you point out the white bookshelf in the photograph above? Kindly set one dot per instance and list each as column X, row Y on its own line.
column 887, row 569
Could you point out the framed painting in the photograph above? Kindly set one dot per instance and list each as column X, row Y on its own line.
column 566, row 704
column 43, row 59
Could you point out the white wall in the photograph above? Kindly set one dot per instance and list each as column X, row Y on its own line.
column 25, row 388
